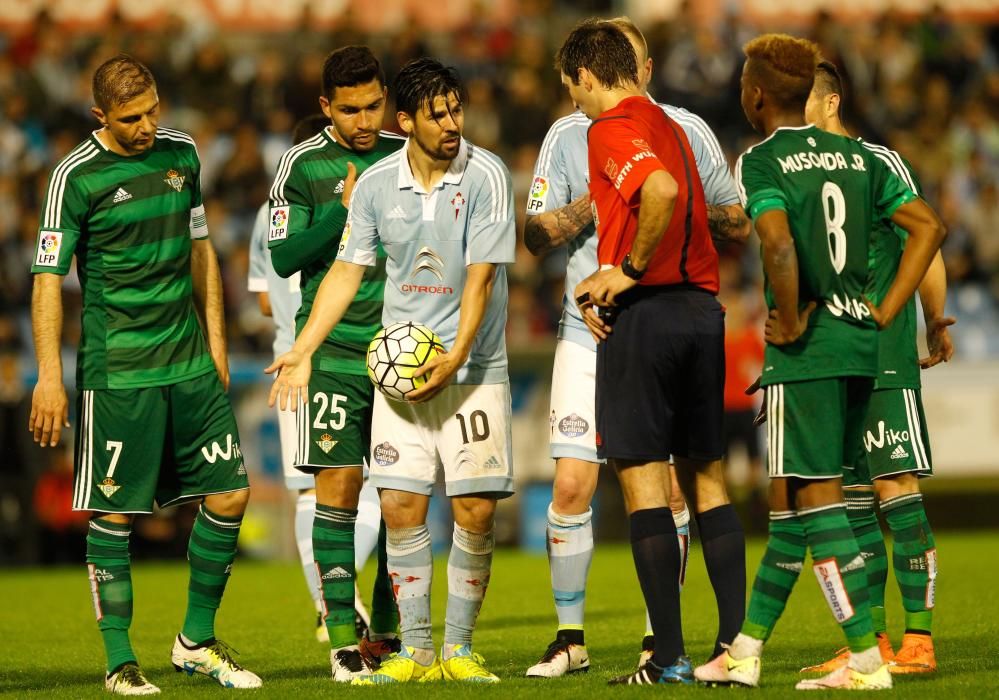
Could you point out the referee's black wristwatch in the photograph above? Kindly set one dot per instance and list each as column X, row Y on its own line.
column 630, row 270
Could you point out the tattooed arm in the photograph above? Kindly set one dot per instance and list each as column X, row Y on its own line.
column 728, row 222
column 545, row 232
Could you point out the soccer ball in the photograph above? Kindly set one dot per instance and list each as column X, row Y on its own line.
column 395, row 352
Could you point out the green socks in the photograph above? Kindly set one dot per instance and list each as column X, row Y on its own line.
column 210, row 553
column 914, row 556
column 870, row 540
column 841, row 573
column 111, row 586
column 778, row 572
column 333, row 548
column 384, row 613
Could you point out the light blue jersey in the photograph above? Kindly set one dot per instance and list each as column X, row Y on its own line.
column 430, row 238
column 285, row 295
column 561, row 175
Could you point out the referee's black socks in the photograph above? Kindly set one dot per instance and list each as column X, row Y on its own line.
column 657, row 560
column 724, row 545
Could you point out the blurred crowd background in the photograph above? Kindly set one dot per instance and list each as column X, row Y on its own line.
column 926, row 85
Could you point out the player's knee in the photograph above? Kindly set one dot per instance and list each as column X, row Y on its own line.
column 570, row 495
column 115, row 518
column 895, row 486
column 475, row 514
column 340, row 487
column 401, row 509
column 231, row 504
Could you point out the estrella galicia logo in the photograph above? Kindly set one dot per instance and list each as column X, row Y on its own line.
column 385, row 455
column 573, row 426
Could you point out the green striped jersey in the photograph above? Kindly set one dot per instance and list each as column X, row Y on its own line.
column 898, row 356
column 833, row 191
column 129, row 220
column 308, row 189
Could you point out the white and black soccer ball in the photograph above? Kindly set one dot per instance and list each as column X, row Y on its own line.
column 395, row 352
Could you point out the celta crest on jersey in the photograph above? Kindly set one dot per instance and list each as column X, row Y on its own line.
column 457, row 202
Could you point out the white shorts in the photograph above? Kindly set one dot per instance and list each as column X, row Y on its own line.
column 573, row 414
column 288, row 434
column 465, row 429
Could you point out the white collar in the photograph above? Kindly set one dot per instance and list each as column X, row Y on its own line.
column 452, row 176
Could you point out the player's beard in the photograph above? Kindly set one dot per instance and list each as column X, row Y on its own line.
column 362, row 145
column 441, row 151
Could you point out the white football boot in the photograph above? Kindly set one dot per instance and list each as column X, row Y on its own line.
column 348, row 664
column 559, row 659
column 213, row 659
column 129, row 680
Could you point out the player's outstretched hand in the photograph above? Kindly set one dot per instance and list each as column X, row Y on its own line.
column 348, row 184
column 439, row 370
column 781, row 331
column 292, row 377
column 938, row 342
column 49, row 413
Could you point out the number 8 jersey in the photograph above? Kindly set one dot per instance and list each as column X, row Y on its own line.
column 834, row 192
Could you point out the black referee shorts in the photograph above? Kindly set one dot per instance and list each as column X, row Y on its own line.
column 661, row 377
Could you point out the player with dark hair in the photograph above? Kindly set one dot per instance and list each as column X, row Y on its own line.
column 442, row 211
column 308, row 213
column 559, row 213
column 280, row 299
column 813, row 197
column 896, row 446
column 653, row 311
column 154, row 422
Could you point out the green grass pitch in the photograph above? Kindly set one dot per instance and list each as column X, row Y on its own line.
column 51, row 647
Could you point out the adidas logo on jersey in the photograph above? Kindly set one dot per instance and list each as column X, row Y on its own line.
column 121, row 195
column 493, row 463
column 339, row 188
column 336, row 572
column 899, row 452
column 396, row 213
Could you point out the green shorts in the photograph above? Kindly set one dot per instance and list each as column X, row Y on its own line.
column 334, row 427
column 166, row 444
column 895, row 439
column 814, row 426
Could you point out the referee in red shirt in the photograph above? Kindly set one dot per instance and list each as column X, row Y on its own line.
column 659, row 328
